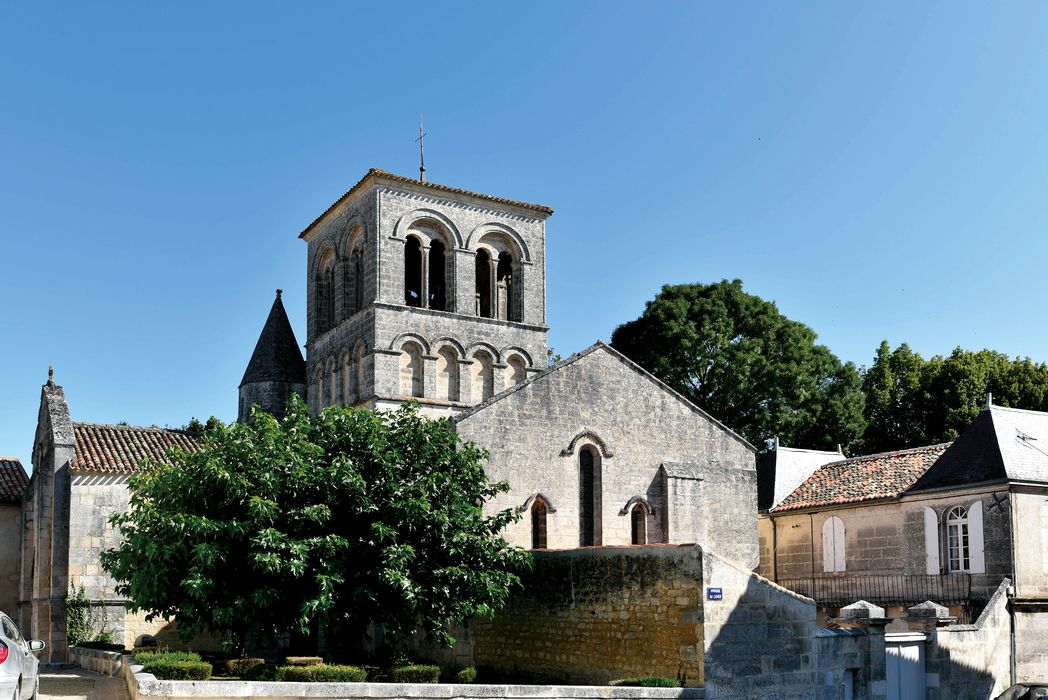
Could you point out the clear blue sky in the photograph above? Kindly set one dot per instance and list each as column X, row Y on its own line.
column 877, row 169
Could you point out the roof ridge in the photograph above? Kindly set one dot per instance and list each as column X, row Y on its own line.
column 117, row 426
column 10, row 459
column 891, row 453
column 780, row 448
column 995, row 407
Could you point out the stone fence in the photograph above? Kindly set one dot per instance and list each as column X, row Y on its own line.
column 145, row 686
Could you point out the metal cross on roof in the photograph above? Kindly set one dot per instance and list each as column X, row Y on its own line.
column 421, row 140
column 999, row 501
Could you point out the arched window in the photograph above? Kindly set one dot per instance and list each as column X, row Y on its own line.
column 515, row 372
column 326, row 293
column 833, row 558
column 332, row 382
column 958, row 551
column 447, row 374
column 359, row 357
column 412, row 271
column 505, row 298
column 358, row 279
column 352, row 277
column 348, row 395
column 411, row 383
column 638, row 525
column 438, row 293
column 482, row 376
column 539, row 511
column 483, row 268
column 589, row 497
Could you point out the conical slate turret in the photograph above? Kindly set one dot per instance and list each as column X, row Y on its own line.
column 276, row 368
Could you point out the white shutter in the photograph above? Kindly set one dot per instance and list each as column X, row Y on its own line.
column 975, row 538
column 931, row 541
column 827, row 544
column 838, row 544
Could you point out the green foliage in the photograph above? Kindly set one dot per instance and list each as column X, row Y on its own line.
column 165, row 656
column 179, row 670
column 337, row 521
column 321, row 673
column 241, row 667
column 262, row 672
column 649, row 682
column 415, row 674
column 466, row 675
column 736, row 356
column 84, row 622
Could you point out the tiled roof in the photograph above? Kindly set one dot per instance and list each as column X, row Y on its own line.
column 121, row 448
column 867, row 478
column 375, row 172
column 13, row 480
column 1001, row 443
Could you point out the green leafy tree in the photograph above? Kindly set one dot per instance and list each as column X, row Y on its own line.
column 332, row 522
column 736, row 356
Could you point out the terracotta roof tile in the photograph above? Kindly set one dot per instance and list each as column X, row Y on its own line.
column 375, row 172
column 121, row 448
column 13, row 480
column 866, row 478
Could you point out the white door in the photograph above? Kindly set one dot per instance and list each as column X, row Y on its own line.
column 905, row 666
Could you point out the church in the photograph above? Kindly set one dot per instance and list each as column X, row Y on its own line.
column 422, row 292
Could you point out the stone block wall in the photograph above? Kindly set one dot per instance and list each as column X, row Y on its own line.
column 972, row 661
column 1031, row 641
column 593, row 615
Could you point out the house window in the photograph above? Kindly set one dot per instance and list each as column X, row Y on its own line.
column 833, row 544
column 958, row 549
column 638, row 522
column 539, row 511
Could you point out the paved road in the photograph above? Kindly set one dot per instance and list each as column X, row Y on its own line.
column 81, row 685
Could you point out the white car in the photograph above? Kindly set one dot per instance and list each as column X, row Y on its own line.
column 18, row 665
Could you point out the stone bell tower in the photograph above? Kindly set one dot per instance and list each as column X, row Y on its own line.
column 426, row 292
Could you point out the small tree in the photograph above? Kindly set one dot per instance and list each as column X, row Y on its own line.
column 336, row 522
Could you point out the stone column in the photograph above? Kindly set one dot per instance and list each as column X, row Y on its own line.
column 429, row 376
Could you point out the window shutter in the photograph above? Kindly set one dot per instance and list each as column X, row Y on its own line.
column 838, row 544
column 833, row 544
column 931, row 541
column 975, row 538
column 827, row 545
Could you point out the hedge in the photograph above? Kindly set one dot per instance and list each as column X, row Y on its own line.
column 415, row 674
column 239, row 667
column 321, row 673
column 466, row 675
column 179, row 670
column 649, row 682
column 145, row 657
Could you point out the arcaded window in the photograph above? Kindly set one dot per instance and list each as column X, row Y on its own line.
column 412, row 272
column 833, row 553
column 438, row 292
column 482, row 376
column 515, row 372
column 411, row 381
column 505, row 298
column 539, row 511
column 587, row 498
column 326, row 293
column 483, row 284
column 638, row 525
column 447, row 374
column 958, row 551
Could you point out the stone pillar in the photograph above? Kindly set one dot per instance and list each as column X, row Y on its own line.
column 429, row 376
column 498, row 377
column 464, row 381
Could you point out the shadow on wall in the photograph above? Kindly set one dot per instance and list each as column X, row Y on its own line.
column 762, row 642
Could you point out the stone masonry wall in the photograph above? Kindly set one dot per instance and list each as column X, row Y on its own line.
column 593, row 615
column 1031, row 643
column 971, row 661
column 10, row 555
column 535, row 433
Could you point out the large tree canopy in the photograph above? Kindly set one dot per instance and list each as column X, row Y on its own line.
column 337, row 521
column 736, row 356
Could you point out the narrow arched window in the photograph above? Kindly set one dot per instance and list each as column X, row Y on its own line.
column 358, row 279
column 483, row 270
column 359, row 356
column 447, row 374
column 833, row 553
column 325, row 296
column 411, row 382
column 332, row 378
column 587, row 498
column 482, row 376
column 539, row 510
column 504, row 295
column 438, row 292
column 412, row 272
column 638, row 525
column 958, row 551
column 515, row 372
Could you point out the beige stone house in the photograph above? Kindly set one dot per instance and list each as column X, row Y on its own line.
column 946, row 523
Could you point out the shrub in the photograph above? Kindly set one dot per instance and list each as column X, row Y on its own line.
column 304, row 661
column 179, row 670
column 649, row 682
column 165, row 656
column 321, row 673
column 415, row 674
column 466, row 675
column 264, row 672
column 104, row 646
column 241, row 667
